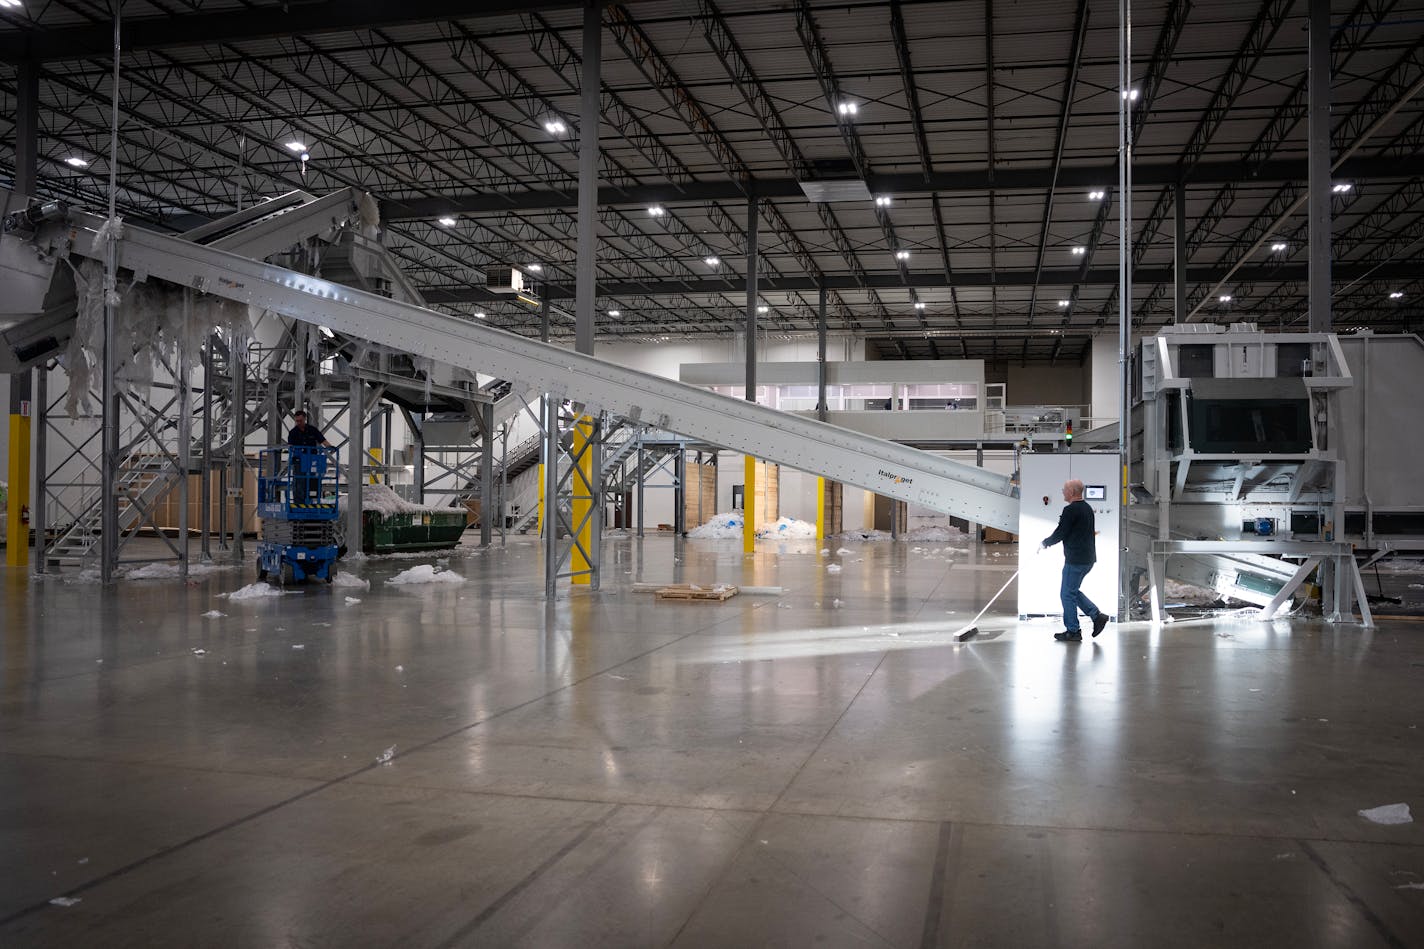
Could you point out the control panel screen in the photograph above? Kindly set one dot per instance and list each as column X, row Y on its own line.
column 1095, row 492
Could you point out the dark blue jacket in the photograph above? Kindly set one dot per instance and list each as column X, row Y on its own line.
column 308, row 436
column 1076, row 531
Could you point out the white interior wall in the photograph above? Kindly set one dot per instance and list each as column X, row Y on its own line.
column 1104, row 379
column 663, row 359
column 1048, row 385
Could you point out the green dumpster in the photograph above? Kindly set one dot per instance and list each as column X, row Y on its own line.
column 388, row 533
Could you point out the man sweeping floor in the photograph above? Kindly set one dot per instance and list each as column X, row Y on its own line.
column 1078, row 535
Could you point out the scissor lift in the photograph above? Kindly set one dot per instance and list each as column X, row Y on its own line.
column 296, row 499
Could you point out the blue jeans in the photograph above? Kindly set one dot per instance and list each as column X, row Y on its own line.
column 1073, row 598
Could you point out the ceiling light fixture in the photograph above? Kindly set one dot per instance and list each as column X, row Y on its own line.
column 533, row 268
column 615, row 313
column 74, row 161
column 448, row 222
column 1224, row 298
column 479, row 316
column 1079, row 251
column 883, row 201
column 656, row 211
column 13, row 4
column 1342, row 188
column 712, row 262
column 1396, row 295
column 1130, row 95
column 1062, row 304
column 919, row 305
column 1278, row 247
column 1097, row 195
column 296, row 147
column 763, row 309
column 555, row 127
column 902, row 255
column 847, row 108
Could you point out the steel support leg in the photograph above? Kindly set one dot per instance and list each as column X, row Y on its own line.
column 205, row 492
column 38, row 512
column 487, row 511
column 236, row 461
column 551, row 498
column 356, row 464
column 642, row 480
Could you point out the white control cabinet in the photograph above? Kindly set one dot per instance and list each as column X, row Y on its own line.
column 1040, row 503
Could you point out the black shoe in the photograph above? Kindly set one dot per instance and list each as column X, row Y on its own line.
column 1100, row 622
column 1069, row 636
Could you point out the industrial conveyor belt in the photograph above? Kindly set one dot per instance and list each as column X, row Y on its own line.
column 871, row 463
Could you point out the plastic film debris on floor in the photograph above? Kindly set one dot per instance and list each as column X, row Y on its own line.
column 425, row 573
column 1388, row 814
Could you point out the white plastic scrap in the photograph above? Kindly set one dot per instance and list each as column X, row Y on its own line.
column 351, row 599
column 64, row 901
column 350, row 580
column 425, row 573
column 253, row 591
column 1388, row 814
column 720, row 527
column 200, row 652
column 833, row 568
column 213, row 614
column 380, row 499
column 386, row 756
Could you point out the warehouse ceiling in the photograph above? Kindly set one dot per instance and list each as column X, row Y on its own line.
column 990, row 128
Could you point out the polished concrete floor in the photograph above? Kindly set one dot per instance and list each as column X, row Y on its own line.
column 824, row 768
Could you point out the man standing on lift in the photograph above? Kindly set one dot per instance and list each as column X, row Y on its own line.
column 1077, row 532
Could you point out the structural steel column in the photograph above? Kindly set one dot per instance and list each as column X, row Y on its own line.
column 418, row 462
column 749, row 462
column 821, row 407
column 487, row 512
column 1318, row 164
column 821, row 356
column 109, row 438
column 236, row 462
column 1179, row 247
column 205, row 516
column 550, row 502
column 185, row 427
column 17, row 527
column 586, row 480
column 356, row 448
column 586, row 266
column 41, row 433
column 27, row 126
column 1124, row 263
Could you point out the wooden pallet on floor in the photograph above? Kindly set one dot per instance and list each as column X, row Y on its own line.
column 688, row 591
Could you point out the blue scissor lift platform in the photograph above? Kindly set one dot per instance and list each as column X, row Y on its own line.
column 297, row 501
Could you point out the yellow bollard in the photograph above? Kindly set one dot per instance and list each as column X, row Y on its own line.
column 749, row 507
column 17, row 522
column 541, row 501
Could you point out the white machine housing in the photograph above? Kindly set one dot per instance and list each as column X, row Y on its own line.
column 1041, row 478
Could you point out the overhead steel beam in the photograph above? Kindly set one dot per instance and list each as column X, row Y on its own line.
column 198, row 29
column 900, row 186
column 920, row 280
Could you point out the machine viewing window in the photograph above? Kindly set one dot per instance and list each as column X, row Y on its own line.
column 1196, row 361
